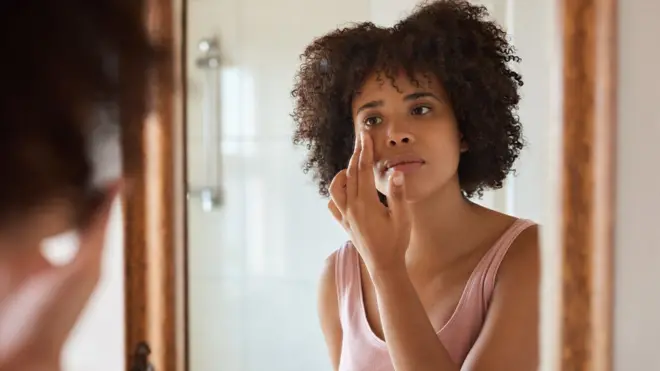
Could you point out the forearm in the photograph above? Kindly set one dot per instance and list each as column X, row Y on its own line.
column 412, row 342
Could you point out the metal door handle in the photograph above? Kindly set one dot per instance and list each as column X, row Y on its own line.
column 210, row 193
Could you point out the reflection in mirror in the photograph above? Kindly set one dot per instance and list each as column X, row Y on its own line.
column 438, row 112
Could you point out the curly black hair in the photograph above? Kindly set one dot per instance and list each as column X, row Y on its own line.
column 450, row 39
column 64, row 63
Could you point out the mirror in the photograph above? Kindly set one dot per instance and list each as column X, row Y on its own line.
column 234, row 260
column 254, row 259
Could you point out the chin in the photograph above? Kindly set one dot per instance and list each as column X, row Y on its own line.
column 415, row 197
column 413, row 194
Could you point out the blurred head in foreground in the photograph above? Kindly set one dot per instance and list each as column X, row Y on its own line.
column 67, row 69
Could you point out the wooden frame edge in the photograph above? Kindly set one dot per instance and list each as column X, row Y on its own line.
column 154, row 212
column 588, row 183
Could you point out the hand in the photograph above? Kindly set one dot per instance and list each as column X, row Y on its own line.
column 380, row 233
column 38, row 313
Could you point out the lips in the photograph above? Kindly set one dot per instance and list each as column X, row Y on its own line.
column 404, row 163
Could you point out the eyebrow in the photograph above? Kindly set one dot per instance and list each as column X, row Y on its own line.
column 409, row 97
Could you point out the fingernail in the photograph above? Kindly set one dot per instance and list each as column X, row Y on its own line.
column 362, row 138
column 397, row 179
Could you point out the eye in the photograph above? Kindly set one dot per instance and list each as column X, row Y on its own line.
column 421, row 110
column 373, row 121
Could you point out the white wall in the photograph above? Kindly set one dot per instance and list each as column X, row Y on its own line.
column 534, row 26
column 637, row 258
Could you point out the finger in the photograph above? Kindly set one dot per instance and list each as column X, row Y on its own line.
column 367, row 183
column 41, row 312
column 396, row 199
column 335, row 212
column 50, row 302
column 339, row 217
column 352, row 182
column 338, row 190
column 63, row 295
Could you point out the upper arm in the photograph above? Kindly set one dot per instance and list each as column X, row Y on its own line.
column 328, row 310
column 509, row 339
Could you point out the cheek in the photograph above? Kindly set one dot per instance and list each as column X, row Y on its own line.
column 442, row 150
column 448, row 153
column 441, row 136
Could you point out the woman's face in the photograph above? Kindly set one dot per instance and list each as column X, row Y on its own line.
column 413, row 130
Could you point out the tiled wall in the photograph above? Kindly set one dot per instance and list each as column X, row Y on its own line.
column 254, row 263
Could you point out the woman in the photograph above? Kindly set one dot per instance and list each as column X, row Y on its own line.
column 404, row 126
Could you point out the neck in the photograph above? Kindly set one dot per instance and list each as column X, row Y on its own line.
column 441, row 220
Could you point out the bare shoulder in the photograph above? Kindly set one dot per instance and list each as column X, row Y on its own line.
column 328, row 308
column 509, row 337
column 327, row 281
column 518, row 277
column 522, row 259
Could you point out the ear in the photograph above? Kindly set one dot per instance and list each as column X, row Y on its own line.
column 464, row 145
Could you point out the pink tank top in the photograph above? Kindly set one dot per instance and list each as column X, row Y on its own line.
column 363, row 350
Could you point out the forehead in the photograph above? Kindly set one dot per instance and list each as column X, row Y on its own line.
column 379, row 85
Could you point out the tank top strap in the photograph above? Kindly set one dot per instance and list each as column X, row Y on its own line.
column 346, row 263
column 486, row 270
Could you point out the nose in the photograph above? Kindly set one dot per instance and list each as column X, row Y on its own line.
column 398, row 136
